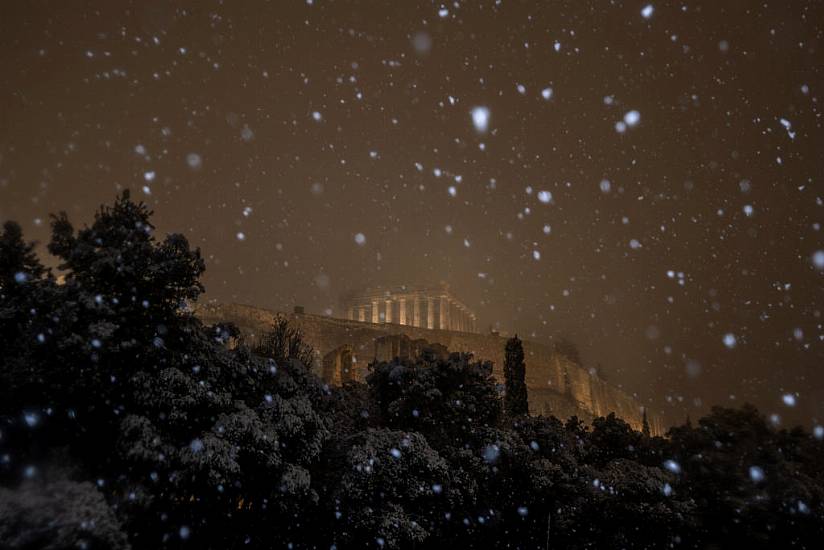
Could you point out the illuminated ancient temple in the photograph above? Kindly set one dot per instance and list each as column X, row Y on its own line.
column 400, row 322
column 431, row 307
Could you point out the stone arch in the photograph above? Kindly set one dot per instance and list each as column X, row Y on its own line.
column 338, row 365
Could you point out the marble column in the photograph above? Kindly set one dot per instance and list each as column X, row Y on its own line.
column 402, row 311
column 416, row 311
column 375, row 317
column 362, row 313
column 430, row 312
column 444, row 314
column 387, row 316
column 350, row 313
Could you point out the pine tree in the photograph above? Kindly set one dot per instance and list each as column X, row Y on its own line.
column 515, row 399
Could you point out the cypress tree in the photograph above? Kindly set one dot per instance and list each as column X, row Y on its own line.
column 645, row 424
column 515, row 399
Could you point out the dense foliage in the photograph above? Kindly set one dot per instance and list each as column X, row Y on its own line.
column 125, row 422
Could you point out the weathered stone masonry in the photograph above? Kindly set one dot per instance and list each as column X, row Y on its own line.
column 345, row 347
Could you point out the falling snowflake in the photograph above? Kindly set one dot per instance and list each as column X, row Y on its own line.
column 756, row 474
column 632, row 118
column 194, row 161
column 480, row 118
column 818, row 259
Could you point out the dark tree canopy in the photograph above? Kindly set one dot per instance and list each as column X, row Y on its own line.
column 58, row 514
column 443, row 399
column 283, row 342
column 172, row 426
column 118, row 257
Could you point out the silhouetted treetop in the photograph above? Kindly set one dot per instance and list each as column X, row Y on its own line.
column 119, row 258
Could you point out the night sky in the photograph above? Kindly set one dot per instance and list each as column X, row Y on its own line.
column 646, row 180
